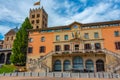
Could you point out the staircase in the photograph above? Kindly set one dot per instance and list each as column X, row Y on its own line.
column 115, row 67
column 43, row 65
column 111, row 53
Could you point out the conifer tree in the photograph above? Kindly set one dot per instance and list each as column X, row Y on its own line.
column 19, row 49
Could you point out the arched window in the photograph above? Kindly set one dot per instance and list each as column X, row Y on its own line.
column 100, row 65
column 8, row 58
column 78, row 63
column 89, row 65
column 57, row 65
column 66, row 65
column 2, row 58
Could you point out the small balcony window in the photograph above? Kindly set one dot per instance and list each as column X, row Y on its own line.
column 42, row 49
column 117, row 45
column 86, row 36
column 116, row 33
column 97, row 46
column 57, row 38
column 57, row 48
column 66, row 37
column 66, row 47
column 96, row 35
column 87, row 46
column 30, row 49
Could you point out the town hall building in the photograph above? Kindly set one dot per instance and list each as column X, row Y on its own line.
column 76, row 47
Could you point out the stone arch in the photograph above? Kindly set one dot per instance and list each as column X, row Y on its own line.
column 2, row 58
column 8, row 58
column 100, row 65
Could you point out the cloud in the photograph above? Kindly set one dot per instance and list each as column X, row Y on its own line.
column 4, row 29
column 60, row 12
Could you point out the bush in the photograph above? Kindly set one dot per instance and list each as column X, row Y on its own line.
column 7, row 69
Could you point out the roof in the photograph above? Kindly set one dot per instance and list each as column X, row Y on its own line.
column 12, row 31
column 102, row 23
column 1, row 40
column 82, row 24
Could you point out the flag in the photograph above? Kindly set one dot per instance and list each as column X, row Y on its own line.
column 37, row 3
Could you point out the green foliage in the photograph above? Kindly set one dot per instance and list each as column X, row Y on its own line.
column 20, row 44
column 7, row 68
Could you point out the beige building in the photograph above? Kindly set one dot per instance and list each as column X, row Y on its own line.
column 1, row 44
column 6, row 51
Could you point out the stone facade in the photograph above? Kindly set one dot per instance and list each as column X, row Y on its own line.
column 9, row 38
column 38, row 18
column 6, row 51
column 1, row 44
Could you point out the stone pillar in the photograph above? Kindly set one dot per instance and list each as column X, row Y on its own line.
column 62, row 65
column 71, row 65
column 95, row 64
column 5, row 58
column 84, row 60
column 92, row 44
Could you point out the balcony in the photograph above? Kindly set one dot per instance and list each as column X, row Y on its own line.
column 79, row 51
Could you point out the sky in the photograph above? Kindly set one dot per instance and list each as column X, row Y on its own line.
column 60, row 12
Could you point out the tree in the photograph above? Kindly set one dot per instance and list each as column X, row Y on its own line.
column 19, row 49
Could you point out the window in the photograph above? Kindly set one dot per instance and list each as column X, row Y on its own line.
column 57, row 48
column 116, row 33
column 30, row 39
column 42, row 49
column 38, row 15
column 117, row 45
column 30, row 49
column 100, row 65
column 12, row 38
column 97, row 46
column 37, row 21
column 65, row 37
column 89, row 65
column 66, row 65
column 86, row 35
column 66, row 47
column 57, row 65
column 57, row 38
column 32, row 21
column 42, row 39
column 87, row 46
column 33, row 16
column 96, row 35
column 7, row 38
column 78, row 63
column 37, row 27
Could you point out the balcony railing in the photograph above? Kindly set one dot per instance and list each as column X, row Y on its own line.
column 79, row 51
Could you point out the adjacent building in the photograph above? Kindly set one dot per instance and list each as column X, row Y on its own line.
column 6, row 50
column 1, row 44
column 93, row 47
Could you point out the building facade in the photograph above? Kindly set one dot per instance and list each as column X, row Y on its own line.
column 1, row 44
column 6, row 51
column 92, row 47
